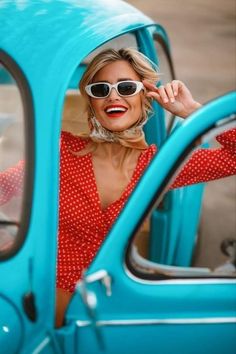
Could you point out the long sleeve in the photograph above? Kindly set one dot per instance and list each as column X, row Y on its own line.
column 210, row 164
column 11, row 182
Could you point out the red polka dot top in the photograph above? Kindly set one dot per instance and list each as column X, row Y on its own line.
column 83, row 225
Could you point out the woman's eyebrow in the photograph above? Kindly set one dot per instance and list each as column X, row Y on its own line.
column 120, row 79
column 125, row 79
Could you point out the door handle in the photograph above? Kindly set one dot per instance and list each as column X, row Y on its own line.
column 90, row 299
column 104, row 277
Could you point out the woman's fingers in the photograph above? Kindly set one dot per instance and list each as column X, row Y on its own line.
column 149, row 86
column 162, row 92
column 159, row 94
column 165, row 93
column 175, row 87
column 174, row 97
column 170, row 92
column 152, row 90
column 154, row 95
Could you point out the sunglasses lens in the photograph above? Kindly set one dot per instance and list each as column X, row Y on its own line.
column 127, row 88
column 100, row 90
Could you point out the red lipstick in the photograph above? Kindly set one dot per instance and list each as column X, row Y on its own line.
column 115, row 110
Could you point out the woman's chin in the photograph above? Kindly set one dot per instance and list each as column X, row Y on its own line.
column 118, row 125
column 116, row 128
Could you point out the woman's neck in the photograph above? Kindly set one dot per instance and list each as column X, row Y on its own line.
column 110, row 150
column 116, row 154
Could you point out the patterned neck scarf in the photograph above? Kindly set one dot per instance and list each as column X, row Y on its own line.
column 133, row 137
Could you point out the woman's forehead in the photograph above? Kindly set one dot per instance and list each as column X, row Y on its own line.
column 119, row 70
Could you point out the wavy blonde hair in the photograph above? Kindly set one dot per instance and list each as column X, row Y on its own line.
column 139, row 62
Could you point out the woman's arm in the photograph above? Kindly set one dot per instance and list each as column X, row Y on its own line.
column 205, row 164
column 210, row 164
column 11, row 182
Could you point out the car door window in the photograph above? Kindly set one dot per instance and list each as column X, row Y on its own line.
column 212, row 249
column 13, row 161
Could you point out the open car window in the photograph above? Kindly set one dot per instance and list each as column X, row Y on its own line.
column 167, row 247
column 16, row 152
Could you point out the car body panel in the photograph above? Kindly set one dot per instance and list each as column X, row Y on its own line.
column 48, row 40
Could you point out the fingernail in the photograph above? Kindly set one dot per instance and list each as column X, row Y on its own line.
column 165, row 100
column 172, row 100
column 175, row 93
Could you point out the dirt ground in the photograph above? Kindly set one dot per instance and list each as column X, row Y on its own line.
column 202, row 35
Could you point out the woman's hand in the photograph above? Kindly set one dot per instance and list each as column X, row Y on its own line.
column 175, row 97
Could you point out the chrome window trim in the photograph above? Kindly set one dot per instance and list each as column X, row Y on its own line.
column 42, row 345
column 157, row 321
column 181, row 281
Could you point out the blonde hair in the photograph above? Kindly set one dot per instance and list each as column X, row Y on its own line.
column 139, row 62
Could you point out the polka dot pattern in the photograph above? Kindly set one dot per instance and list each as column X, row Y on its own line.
column 11, row 182
column 83, row 224
column 210, row 164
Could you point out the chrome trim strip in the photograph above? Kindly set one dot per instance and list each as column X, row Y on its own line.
column 158, row 321
column 178, row 281
column 80, row 323
column 172, row 271
column 41, row 346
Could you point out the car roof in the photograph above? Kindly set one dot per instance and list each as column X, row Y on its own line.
column 47, row 36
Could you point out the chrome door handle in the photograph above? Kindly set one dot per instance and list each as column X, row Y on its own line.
column 90, row 299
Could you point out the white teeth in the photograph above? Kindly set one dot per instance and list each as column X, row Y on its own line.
column 115, row 109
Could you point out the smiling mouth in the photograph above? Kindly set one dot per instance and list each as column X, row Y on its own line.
column 115, row 112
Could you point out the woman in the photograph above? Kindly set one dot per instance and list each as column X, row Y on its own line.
column 98, row 171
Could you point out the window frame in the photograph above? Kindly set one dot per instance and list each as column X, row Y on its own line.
column 149, row 276
column 158, row 39
column 29, row 129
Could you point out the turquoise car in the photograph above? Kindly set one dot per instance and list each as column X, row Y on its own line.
column 132, row 299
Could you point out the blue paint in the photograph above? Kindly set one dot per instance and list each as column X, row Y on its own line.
column 48, row 40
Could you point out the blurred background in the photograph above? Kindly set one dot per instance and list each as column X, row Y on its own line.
column 203, row 41
column 202, row 34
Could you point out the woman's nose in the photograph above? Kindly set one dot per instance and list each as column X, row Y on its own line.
column 114, row 94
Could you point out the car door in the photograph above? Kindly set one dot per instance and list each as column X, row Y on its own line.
column 128, row 304
column 25, row 306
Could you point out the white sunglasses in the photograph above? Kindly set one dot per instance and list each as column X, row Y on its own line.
column 123, row 88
